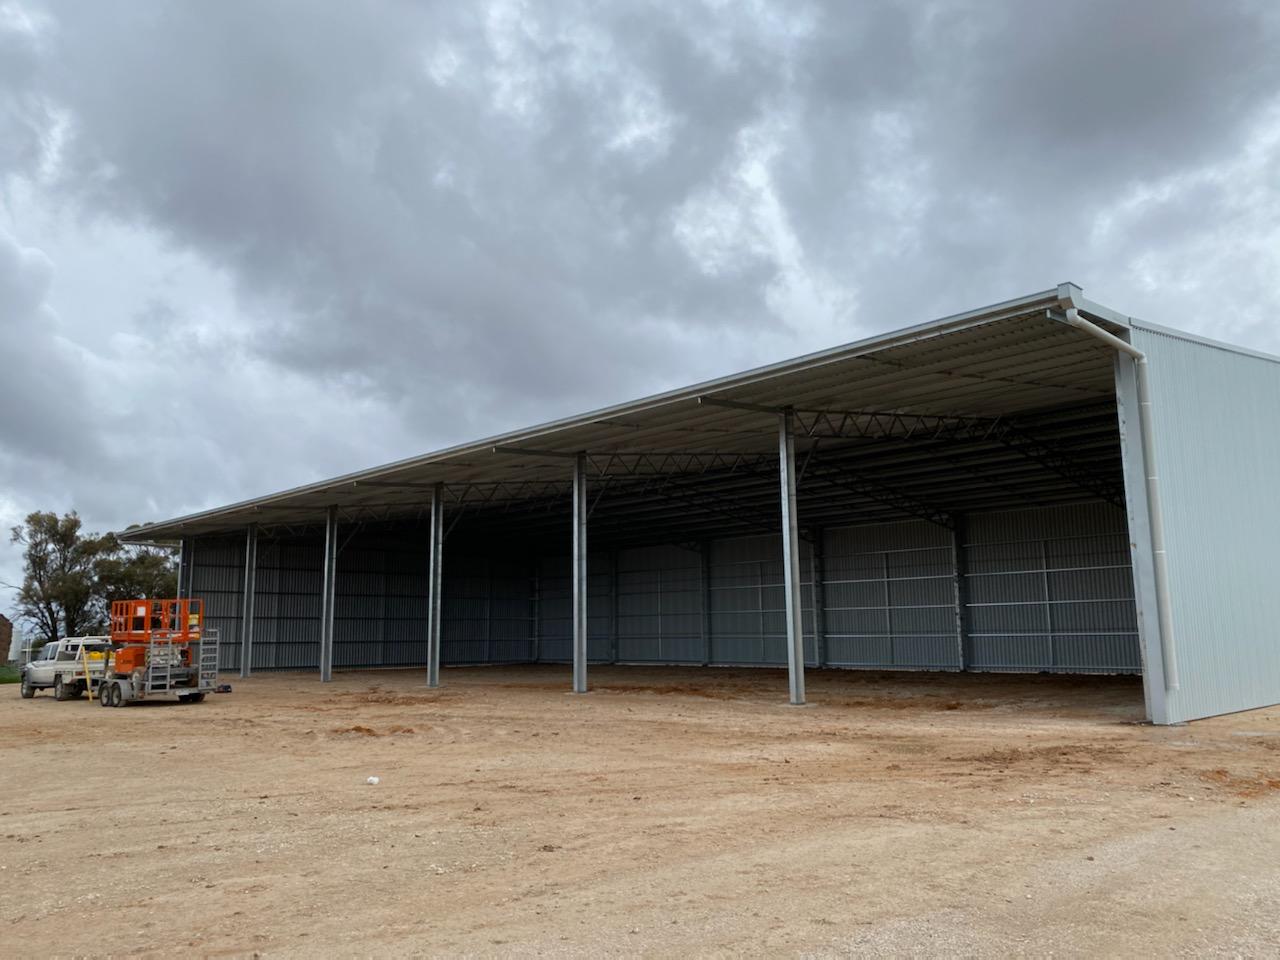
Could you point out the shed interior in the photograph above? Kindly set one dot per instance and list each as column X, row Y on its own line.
column 960, row 497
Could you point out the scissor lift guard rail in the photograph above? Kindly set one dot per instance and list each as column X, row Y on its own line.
column 152, row 656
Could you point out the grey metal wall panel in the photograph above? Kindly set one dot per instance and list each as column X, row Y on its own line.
column 555, row 608
column 380, row 604
column 286, row 623
column 1051, row 589
column 218, row 579
column 659, row 597
column 748, row 601
column 890, row 598
column 1218, row 453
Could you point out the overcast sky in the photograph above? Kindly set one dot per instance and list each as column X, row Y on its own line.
column 246, row 245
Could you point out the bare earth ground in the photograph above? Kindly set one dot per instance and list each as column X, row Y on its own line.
column 669, row 812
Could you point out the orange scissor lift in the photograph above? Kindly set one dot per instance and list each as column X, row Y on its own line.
column 160, row 650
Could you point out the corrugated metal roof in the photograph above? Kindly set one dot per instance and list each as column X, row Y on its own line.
column 1010, row 362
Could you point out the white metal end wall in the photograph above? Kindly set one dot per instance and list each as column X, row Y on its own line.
column 1218, row 451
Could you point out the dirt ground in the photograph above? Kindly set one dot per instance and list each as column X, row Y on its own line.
column 670, row 812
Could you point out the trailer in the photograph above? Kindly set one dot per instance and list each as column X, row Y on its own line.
column 160, row 651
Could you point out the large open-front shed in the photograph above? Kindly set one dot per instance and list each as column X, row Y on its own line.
column 1040, row 485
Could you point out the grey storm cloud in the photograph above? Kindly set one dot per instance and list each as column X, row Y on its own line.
column 284, row 239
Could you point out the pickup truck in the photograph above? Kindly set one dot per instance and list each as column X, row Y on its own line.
column 60, row 665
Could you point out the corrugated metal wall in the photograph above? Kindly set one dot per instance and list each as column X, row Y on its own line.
column 488, row 614
column 659, row 598
column 217, row 578
column 380, row 607
column 1218, row 453
column 890, row 596
column 286, row 621
column 1052, row 589
column 555, row 608
column 748, row 601
column 1048, row 589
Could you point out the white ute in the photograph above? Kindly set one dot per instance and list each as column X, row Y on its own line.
column 62, row 665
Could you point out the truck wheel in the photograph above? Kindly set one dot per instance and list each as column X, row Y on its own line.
column 60, row 691
column 117, row 695
column 104, row 693
column 26, row 691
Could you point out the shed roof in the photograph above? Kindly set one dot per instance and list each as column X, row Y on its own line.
column 975, row 409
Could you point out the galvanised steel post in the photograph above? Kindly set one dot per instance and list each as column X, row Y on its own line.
column 186, row 567
column 329, row 577
column 435, row 584
column 580, row 573
column 184, row 551
column 791, row 557
column 246, row 609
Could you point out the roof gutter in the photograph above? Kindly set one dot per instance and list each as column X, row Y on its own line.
column 1155, row 510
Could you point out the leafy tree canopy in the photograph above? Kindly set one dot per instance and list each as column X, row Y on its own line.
column 70, row 577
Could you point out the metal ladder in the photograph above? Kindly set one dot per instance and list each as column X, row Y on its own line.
column 208, row 678
column 159, row 668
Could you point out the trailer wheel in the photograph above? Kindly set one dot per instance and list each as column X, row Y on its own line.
column 116, row 694
column 104, row 693
column 193, row 697
column 26, row 691
column 60, row 691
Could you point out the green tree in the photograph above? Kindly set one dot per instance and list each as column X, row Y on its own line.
column 57, row 593
column 71, row 577
column 136, row 572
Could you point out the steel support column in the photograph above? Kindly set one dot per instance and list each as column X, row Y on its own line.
column 246, row 607
column 580, row 574
column 329, row 579
column 184, row 553
column 187, row 569
column 791, row 557
column 435, row 585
